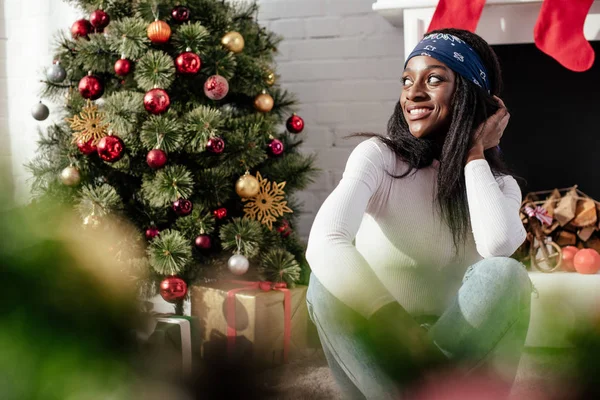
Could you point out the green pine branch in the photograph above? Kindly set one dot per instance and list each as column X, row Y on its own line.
column 163, row 132
column 296, row 169
column 200, row 124
column 169, row 184
column 122, row 111
column 169, row 253
column 213, row 187
column 128, row 37
column 197, row 223
column 155, row 69
column 99, row 201
column 193, row 36
column 247, row 234
column 94, row 54
column 279, row 265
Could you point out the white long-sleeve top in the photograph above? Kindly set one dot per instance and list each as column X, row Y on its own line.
column 378, row 239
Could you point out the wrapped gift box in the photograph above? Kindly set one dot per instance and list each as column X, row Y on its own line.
column 258, row 327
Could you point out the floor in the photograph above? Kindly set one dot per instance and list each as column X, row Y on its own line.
column 541, row 376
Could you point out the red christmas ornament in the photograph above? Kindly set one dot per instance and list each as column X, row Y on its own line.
column 156, row 101
column 216, row 87
column 173, row 289
column 215, row 145
column 295, row 124
column 284, row 228
column 152, row 232
column 220, row 213
column 276, row 147
column 182, row 207
column 203, row 242
column 180, row 14
column 99, row 19
column 587, row 261
column 188, row 63
column 91, row 87
column 123, row 66
column 81, row 28
column 156, row 158
column 111, row 148
column 88, row 147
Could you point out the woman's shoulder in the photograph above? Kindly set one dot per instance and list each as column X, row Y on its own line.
column 375, row 150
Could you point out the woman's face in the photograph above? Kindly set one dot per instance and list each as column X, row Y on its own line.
column 428, row 86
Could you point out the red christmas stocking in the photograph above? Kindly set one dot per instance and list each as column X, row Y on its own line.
column 459, row 14
column 559, row 33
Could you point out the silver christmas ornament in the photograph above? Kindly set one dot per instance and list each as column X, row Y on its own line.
column 238, row 264
column 70, row 176
column 40, row 111
column 56, row 73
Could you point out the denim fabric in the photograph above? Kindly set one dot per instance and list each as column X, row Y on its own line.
column 486, row 324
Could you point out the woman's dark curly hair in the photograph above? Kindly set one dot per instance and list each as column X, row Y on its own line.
column 471, row 106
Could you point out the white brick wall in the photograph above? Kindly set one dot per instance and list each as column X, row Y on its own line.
column 341, row 59
column 25, row 49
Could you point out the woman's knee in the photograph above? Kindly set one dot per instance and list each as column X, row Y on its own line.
column 507, row 271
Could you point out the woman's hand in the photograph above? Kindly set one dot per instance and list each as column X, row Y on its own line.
column 490, row 132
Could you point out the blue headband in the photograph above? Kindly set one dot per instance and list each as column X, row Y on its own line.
column 456, row 54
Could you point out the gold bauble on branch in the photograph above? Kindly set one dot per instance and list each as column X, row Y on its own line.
column 264, row 102
column 270, row 78
column 247, row 186
column 159, row 32
column 233, row 41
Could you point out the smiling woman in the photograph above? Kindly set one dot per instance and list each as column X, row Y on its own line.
column 412, row 271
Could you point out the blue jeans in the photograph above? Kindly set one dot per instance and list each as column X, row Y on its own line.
column 486, row 324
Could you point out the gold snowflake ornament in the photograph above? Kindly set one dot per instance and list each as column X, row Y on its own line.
column 268, row 204
column 88, row 125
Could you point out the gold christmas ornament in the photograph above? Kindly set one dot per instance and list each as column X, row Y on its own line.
column 264, row 102
column 88, row 125
column 233, row 41
column 270, row 79
column 159, row 32
column 247, row 186
column 70, row 176
column 268, row 204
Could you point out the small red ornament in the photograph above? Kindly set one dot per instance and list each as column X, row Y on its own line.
column 156, row 101
column 568, row 253
column 99, row 19
column 276, row 147
column 188, row 63
column 152, row 232
column 203, row 242
column 587, row 261
column 180, row 14
column 156, row 158
column 215, row 145
column 111, row 148
column 81, row 28
column 123, row 66
column 182, row 207
column 295, row 124
column 284, row 228
column 91, row 87
column 216, row 87
column 173, row 289
column 220, row 213
column 159, row 32
column 88, row 147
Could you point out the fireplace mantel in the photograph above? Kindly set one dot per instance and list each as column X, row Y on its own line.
column 502, row 21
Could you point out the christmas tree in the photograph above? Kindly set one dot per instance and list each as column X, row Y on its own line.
column 173, row 119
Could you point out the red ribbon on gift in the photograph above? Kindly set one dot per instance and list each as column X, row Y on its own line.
column 265, row 286
column 540, row 213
